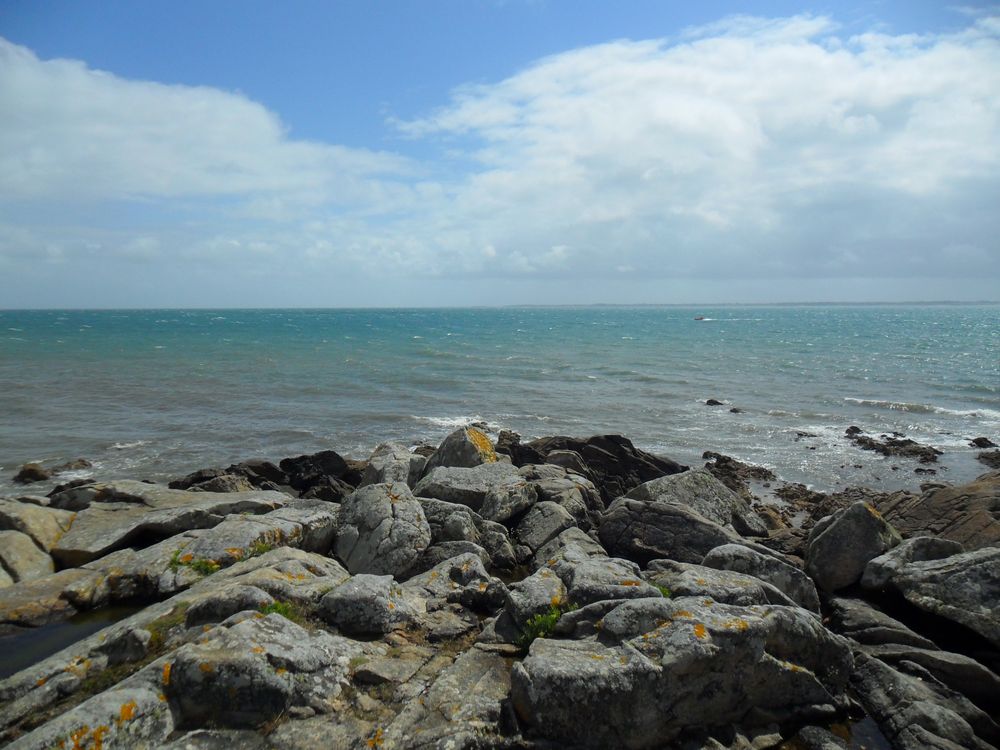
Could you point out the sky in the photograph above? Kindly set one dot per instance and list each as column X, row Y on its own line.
column 494, row 152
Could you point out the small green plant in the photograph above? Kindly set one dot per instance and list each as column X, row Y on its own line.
column 664, row 591
column 357, row 661
column 543, row 625
column 200, row 565
column 288, row 610
column 259, row 548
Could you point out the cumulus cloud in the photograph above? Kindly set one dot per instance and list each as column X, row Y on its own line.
column 750, row 148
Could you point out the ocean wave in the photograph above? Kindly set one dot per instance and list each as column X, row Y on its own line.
column 925, row 408
column 456, row 422
column 126, row 446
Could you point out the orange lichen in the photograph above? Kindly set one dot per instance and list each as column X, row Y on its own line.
column 98, row 737
column 482, row 443
column 483, row 586
column 257, row 650
column 128, row 712
column 555, row 601
column 701, row 581
column 376, row 739
column 630, row 583
column 41, row 681
column 597, row 657
column 737, row 624
column 79, row 736
column 166, row 673
column 186, row 557
column 280, row 670
column 682, row 613
column 206, row 667
column 700, row 631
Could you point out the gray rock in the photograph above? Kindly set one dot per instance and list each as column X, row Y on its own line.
column 54, row 597
column 132, row 717
column 461, row 580
column 465, row 447
column 963, row 588
column 224, row 483
column 915, row 711
column 669, row 665
column 503, row 503
column 368, row 605
column 958, row 672
column 226, row 602
column 724, row 586
column 21, row 558
column 439, row 553
column 452, row 522
column 866, row 625
column 461, row 709
column 574, row 492
column 219, row 739
column 841, row 545
column 381, row 530
column 534, row 595
column 541, row 524
column 574, row 537
column 44, row 525
column 5, row 579
column 700, row 491
column 644, row 531
column 255, row 671
column 393, row 462
column 787, row 578
column 881, row 569
column 594, row 579
column 467, row 485
column 120, row 514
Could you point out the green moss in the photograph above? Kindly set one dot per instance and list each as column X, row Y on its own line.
column 200, row 565
column 667, row 593
column 258, row 548
column 288, row 610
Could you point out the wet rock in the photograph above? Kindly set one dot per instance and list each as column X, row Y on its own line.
column 915, row 711
column 661, row 666
column 195, row 477
column 615, row 465
column 723, row 586
column 381, row 530
column 32, row 472
column 644, row 531
column 393, row 462
column 713, row 402
column 54, row 597
column 368, row 605
column 787, row 578
column 469, row 485
column 893, row 445
column 881, row 569
column 465, row 447
column 509, row 444
column 841, row 545
column 259, row 471
column 982, row 442
column 21, row 558
column 733, row 473
column 966, row 513
column 989, row 458
column 701, row 492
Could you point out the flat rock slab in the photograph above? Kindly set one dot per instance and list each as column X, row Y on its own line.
column 724, row 586
column 21, row 558
column 120, row 514
column 44, row 525
column 968, row 513
column 54, row 597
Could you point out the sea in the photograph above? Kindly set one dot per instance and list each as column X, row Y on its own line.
column 156, row 394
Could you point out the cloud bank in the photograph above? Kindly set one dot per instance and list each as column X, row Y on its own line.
column 775, row 150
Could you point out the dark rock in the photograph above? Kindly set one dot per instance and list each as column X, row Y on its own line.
column 195, row 477
column 990, row 458
column 893, row 445
column 982, row 442
column 307, row 471
column 330, row 489
column 258, row 470
column 968, row 513
column 509, row 443
column 733, row 473
column 32, row 473
column 880, row 570
column 616, row 466
column 713, row 402
column 863, row 623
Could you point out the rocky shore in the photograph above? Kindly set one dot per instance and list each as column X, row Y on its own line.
column 498, row 594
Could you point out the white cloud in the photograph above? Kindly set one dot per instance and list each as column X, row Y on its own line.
column 751, row 148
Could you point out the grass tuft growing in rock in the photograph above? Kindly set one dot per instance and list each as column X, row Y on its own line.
column 664, row 591
column 288, row 610
column 543, row 625
column 179, row 560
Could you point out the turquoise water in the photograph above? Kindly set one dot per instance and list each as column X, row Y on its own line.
column 154, row 394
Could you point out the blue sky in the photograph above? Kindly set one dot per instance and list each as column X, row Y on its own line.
column 326, row 154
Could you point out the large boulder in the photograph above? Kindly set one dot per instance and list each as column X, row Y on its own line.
column 968, row 513
column 367, row 605
column 382, row 530
column 700, row 491
column 644, row 531
column 724, row 586
column 470, row 485
column 615, row 465
column 841, row 545
column 305, row 472
column 767, row 567
column 963, row 588
column 660, row 666
column 465, row 447
column 393, row 462
column 881, row 569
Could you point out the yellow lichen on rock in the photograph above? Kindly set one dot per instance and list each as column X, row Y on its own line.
column 482, row 443
column 128, row 712
column 700, row 631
